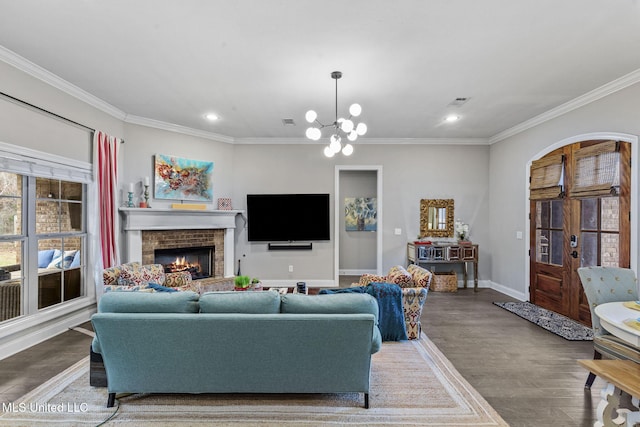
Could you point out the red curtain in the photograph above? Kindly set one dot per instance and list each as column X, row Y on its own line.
column 107, row 175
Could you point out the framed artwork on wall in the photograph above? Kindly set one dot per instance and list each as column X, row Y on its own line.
column 361, row 214
column 182, row 179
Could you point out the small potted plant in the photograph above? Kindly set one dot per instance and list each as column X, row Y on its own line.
column 256, row 284
column 241, row 283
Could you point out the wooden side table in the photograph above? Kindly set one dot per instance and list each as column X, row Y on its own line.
column 433, row 254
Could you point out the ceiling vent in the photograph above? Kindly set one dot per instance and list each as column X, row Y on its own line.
column 458, row 102
column 288, row 122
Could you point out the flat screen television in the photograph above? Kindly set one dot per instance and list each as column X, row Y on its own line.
column 287, row 217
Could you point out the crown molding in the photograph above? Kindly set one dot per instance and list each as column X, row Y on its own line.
column 368, row 141
column 51, row 79
column 157, row 124
column 589, row 97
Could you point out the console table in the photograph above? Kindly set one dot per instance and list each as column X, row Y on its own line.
column 446, row 253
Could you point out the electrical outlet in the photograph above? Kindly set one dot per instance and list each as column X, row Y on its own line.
column 397, row 231
column 291, row 269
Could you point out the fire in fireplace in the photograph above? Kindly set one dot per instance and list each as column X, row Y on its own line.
column 197, row 261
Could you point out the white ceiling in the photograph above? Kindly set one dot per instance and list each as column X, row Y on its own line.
column 256, row 62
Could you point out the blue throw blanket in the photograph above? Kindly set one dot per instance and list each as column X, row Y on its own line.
column 390, row 311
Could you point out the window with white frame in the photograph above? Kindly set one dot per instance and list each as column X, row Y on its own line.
column 43, row 240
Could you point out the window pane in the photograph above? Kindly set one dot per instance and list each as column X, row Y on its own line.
column 589, row 214
column 71, row 217
column 544, row 214
column 556, row 214
column 72, row 284
column 589, row 249
column 49, row 253
column 71, row 191
column 610, row 213
column 47, row 217
column 556, row 247
column 542, row 246
column 609, row 250
column 10, row 280
column 10, row 204
column 49, row 289
column 47, row 188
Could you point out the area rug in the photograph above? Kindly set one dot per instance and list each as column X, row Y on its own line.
column 547, row 319
column 412, row 383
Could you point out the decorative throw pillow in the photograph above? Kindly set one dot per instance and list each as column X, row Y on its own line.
column 45, row 256
column 421, row 276
column 400, row 277
column 134, row 274
column 62, row 260
column 119, row 288
column 365, row 279
column 110, row 275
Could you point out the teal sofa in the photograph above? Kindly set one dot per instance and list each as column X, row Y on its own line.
column 236, row 342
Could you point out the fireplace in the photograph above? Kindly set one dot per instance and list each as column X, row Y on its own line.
column 198, row 261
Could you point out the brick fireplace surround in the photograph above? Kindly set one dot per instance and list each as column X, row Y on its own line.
column 148, row 229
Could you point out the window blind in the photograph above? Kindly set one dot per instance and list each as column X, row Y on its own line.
column 547, row 178
column 596, row 170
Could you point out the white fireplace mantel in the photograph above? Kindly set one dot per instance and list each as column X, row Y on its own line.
column 135, row 220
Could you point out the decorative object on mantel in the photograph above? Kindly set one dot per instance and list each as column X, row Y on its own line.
column 360, row 214
column 130, row 196
column 224, row 204
column 341, row 125
column 188, row 206
column 462, row 230
column 145, row 204
column 182, row 179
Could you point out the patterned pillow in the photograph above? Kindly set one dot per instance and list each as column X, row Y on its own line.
column 144, row 288
column 134, row 274
column 421, row 276
column 400, row 277
column 365, row 279
column 110, row 275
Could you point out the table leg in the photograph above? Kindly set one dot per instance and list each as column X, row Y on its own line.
column 464, row 274
column 611, row 411
column 475, row 277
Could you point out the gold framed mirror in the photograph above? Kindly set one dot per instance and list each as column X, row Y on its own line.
column 436, row 218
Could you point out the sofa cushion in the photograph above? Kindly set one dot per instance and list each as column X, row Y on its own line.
column 240, row 302
column 421, row 276
column 344, row 303
column 399, row 276
column 135, row 274
column 145, row 302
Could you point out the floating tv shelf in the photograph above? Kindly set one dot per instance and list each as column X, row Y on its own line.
column 290, row 246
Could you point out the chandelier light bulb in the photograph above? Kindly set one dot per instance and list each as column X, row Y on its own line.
column 335, row 145
column 347, row 126
column 313, row 134
column 355, row 110
column 328, row 152
column 311, row 116
column 347, row 150
column 361, row 129
column 353, row 135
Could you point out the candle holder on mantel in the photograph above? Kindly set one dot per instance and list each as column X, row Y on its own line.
column 146, row 195
column 130, row 203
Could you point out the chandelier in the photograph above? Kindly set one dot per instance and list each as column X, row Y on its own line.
column 341, row 127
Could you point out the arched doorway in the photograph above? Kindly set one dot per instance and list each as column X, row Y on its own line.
column 580, row 203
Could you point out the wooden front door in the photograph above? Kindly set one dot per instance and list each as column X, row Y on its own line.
column 580, row 216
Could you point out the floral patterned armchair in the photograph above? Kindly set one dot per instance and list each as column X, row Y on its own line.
column 415, row 282
column 134, row 276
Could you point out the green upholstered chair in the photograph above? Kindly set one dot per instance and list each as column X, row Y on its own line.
column 607, row 284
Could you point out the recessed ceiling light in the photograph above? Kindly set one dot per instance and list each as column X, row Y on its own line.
column 451, row 118
column 212, row 117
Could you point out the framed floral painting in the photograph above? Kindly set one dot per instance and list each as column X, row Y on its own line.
column 360, row 214
column 182, row 179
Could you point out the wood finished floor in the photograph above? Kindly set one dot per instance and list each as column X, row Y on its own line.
column 530, row 376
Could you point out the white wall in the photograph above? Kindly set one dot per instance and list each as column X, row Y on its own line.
column 616, row 113
column 411, row 173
